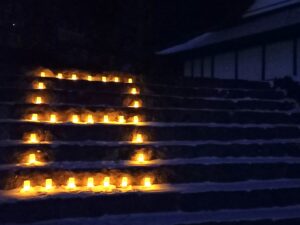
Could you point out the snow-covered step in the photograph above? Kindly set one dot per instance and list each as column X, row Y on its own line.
column 96, row 98
column 102, row 164
column 288, row 215
column 123, row 88
column 198, row 197
column 68, row 151
column 164, row 83
column 170, row 173
column 14, row 110
column 129, row 132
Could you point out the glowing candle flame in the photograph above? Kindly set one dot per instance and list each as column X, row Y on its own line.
column 31, row 159
column 105, row 119
column 41, row 86
column 74, row 76
column 34, row 117
column 138, row 138
column 140, row 158
column 136, row 104
column 75, row 118
column 89, row 78
column 147, row 182
column 130, row 80
column 116, row 79
column 53, row 118
column 33, row 138
column 71, row 183
column 38, row 100
column 90, row 118
column 133, row 91
column 121, row 119
column 124, row 182
column 26, row 185
column 90, row 182
column 104, row 79
column 43, row 74
column 48, row 184
column 136, row 119
column 106, row 182
column 59, row 76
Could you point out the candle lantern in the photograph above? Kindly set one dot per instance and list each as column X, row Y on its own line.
column 136, row 104
column 89, row 78
column 105, row 119
column 74, row 77
column 106, row 182
column 124, row 182
column 134, row 91
column 41, row 86
column 140, row 157
column 75, row 118
column 34, row 117
column 32, row 159
column 147, row 182
column 33, row 138
column 135, row 119
column 48, row 184
column 53, row 118
column 26, row 185
column 71, row 183
column 121, row 119
column 59, row 76
column 138, row 138
column 38, row 100
column 90, row 182
column 90, row 118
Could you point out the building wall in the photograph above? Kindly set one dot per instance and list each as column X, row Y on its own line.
column 187, row 68
column 298, row 56
column 279, row 60
column 207, row 64
column 197, row 68
column 250, row 63
column 224, row 65
column 261, row 62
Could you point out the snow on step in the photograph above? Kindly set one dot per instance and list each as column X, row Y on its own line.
column 184, row 188
column 174, row 218
column 156, row 163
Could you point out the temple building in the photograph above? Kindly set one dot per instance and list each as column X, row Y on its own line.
column 263, row 46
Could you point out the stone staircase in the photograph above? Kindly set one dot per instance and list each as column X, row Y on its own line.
column 76, row 147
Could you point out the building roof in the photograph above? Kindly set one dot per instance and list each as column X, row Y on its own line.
column 261, row 24
column 264, row 6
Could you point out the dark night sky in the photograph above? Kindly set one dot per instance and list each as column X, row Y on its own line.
column 115, row 32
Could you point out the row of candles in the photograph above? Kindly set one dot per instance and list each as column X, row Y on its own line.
column 90, row 184
column 42, row 86
column 84, row 118
column 87, row 77
column 40, row 100
column 139, row 158
column 35, row 138
column 33, row 160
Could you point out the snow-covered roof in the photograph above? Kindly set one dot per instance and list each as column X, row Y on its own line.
column 268, row 22
column 263, row 6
